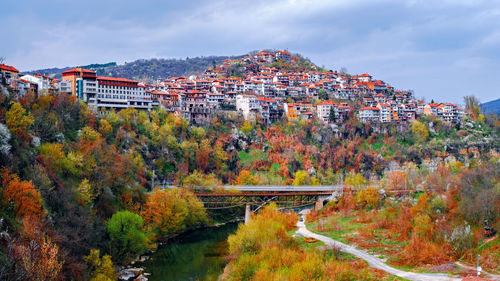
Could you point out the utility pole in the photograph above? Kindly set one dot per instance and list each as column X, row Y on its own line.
column 478, row 268
column 342, row 184
column 153, row 180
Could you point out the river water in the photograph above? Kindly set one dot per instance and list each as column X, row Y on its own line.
column 197, row 255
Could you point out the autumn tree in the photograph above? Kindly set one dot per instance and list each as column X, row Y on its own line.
column 301, row 178
column 40, row 260
column 368, row 197
column 100, row 268
column 105, row 128
column 472, row 106
column 246, row 178
column 167, row 212
column 246, row 128
column 127, row 237
column 22, row 194
column 85, row 192
column 35, row 252
column 19, row 121
column 420, row 131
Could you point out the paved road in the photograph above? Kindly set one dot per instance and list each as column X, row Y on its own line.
column 372, row 260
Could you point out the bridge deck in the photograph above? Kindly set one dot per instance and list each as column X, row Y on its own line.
column 257, row 194
column 329, row 188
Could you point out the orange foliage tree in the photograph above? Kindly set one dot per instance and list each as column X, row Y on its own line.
column 26, row 199
column 246, row 178
column 167, row 212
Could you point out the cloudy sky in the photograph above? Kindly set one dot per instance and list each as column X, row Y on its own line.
column 441, row 49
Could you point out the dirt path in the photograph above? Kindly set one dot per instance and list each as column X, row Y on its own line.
column 374, row 261
column 483, row 273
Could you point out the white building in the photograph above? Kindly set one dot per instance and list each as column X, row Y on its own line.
column 42, row 82
column 323, row 110
column 246, row 104
column 117, row 93
column 369, row 114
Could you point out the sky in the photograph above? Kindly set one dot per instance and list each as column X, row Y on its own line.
column 440, row 49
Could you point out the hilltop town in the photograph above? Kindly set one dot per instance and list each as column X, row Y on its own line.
column 263, row 86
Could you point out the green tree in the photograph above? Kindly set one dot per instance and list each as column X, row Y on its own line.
column 322, row 94
column 331, row 116
column 127, row 237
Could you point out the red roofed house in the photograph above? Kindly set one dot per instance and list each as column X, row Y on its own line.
column 385, row 113
column 8, row 75
column 369, row 114
column 365, row 77
column 283, row 56
column 323, row 110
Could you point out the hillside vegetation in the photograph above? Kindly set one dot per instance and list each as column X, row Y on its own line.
column 147, row 70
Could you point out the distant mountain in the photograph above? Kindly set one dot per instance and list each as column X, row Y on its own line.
column 491, row 107
column 148, row 70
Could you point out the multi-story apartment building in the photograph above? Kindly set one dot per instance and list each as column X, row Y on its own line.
column 247, row 104
column 385, row 112
column 323, row 110
column 270, row 109
column 298, row 110
column 107, row 92
column 120, row 93
column 8, row 75
column 369, row 114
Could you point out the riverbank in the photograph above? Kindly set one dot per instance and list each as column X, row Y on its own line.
column 198, row 252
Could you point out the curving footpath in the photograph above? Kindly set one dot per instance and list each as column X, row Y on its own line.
column 372, row 260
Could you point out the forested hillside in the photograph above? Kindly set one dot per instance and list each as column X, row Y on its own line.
column 76, row 186
column 147, row 70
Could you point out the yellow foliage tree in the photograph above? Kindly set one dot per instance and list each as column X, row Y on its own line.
column 368, row 197
column 355, row 179
column 40, row 260
column 170, row 211
column 85, row 192
column 246, row 128
column 18, row 121
column 105, row 128
column 245, row 178
column 420, row 131
column 301, row 178
column 101, row 268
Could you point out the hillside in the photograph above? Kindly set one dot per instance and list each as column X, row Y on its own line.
column 145, row 69
column 491, row 107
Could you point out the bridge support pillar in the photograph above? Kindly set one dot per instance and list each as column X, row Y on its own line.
column 247, row 213
column 318, row 205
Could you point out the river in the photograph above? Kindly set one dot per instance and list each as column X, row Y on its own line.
column 197, row 255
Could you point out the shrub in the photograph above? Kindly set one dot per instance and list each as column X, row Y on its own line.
column 367, row 198
column 420, row 251
column 461, row 239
